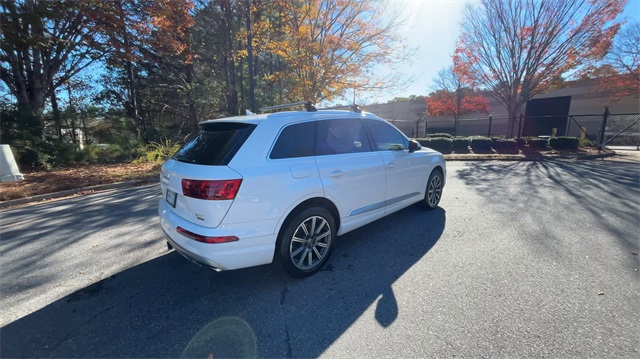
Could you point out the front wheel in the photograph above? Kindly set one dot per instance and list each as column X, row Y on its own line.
column 306, row 242
column 434, row 191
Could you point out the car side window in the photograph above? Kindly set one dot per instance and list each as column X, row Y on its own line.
column 341, row 136
column 295, row 141
column 386, row 137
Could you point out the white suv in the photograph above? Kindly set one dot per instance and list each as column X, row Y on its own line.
column 251, row 188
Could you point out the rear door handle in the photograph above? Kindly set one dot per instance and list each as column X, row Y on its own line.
column 336, row 173
column 391, row 165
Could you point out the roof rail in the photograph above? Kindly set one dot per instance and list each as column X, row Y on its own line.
column 354, row 108
column 308, row 105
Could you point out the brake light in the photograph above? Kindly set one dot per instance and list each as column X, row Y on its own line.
column 211, row 189
column 205, row 239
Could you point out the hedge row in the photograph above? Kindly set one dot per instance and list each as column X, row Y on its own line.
column 445, row 143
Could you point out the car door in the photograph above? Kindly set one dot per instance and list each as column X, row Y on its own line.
column 353, row 176
column 405, row 171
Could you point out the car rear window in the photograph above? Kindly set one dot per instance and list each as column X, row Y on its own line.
column 216, row 144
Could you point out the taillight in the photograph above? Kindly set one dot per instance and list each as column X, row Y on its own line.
column 211, row 189
column 205, row 239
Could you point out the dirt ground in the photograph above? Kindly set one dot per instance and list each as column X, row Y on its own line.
column 41, row 182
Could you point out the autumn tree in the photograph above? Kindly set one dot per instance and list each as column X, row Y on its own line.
column 620, row 74
column 42, row 45
column 451, row 97
column 515, row 48
column 333, row 45
column 148, row 40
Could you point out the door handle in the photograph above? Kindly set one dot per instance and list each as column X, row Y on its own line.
column 391, row 165
column 336, row 173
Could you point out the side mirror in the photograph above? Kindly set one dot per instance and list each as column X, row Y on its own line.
column 414, row 146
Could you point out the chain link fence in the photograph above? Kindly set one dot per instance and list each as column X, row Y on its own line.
column 622, row 130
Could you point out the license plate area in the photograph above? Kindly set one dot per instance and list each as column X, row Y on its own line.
column 171, row 198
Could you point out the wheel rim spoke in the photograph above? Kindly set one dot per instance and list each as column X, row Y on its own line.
column 303, row 256
column 310, row 256
column 300, row 240
column 297, row 251
column 304, row 228
column 315, row 250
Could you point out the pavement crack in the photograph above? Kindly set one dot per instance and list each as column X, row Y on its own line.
column 283, row 295
column 111, row 307
column 286, row 332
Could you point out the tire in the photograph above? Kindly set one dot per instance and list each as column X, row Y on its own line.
column 433, row 193
column 301, row 252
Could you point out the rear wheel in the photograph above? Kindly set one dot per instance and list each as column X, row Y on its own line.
column 306, row 242
column 433, row 193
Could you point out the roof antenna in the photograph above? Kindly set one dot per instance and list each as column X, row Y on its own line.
column 249, row 113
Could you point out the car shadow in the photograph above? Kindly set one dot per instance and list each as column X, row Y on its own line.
column 168, row 307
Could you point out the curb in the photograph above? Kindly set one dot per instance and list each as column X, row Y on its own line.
column 530, row 158
column 71, row 192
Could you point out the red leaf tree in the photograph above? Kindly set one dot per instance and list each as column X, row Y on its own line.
column 452, row 98
column 620, row 74
column 516, row 48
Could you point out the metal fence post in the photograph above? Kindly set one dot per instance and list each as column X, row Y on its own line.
column 605, row 115
column 566, row 133
column 426, row 125
column 455, row 126
column 490, row 118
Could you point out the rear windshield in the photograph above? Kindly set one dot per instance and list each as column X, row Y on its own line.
column 216, row 144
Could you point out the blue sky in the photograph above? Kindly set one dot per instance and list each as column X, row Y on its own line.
column 432, row 27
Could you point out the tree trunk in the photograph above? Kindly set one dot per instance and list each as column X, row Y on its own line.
column 231, row 92
column 250, row 64
column 57, row 121
column 193, row 108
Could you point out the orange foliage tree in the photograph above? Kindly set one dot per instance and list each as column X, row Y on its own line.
column 516, row 48
column 453, row 98
column 623, row 64
column 330, row 46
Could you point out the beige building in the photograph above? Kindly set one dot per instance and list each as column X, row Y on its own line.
column 567, row 109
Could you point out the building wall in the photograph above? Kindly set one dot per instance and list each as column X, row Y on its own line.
column 586, row 109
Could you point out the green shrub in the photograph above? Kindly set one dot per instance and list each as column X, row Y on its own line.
column 480, row 144
column 460, row 144
column 505, row 146
column 585, row 142
column 441, row 144
column 564, row 143
column 157, row 152
column 440, row 134
column 538, row 142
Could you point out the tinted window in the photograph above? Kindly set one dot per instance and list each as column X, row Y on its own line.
column 341, row 136
column 216, row 144
column 295, row 141
column 386, row 137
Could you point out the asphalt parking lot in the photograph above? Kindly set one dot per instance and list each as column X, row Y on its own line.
column 522, row 259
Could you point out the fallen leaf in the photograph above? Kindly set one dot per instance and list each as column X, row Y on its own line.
column 634, row 253
column 600, row 293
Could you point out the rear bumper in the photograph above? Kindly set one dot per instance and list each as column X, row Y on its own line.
column 248, row 251
column 190, row 256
